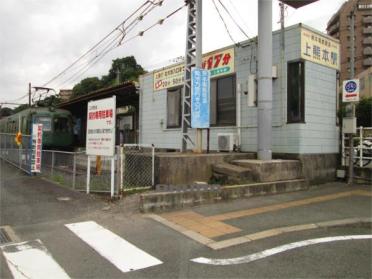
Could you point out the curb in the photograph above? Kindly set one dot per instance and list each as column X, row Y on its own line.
column 165, row 201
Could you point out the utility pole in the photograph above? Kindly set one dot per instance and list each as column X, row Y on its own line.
column 352, row 73
column 29, row 94
column 118, row 76
column 265, row 87
column 193, row 58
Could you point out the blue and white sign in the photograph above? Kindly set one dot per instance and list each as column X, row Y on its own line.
column 350, row 90
column 200, row 96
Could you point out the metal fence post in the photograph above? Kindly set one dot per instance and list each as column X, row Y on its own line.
column 74, row 171
column 112, row 175
column 343, row 160
column 360, row 146
column 122, row 167
column 88, row 175
column 153, row 166
column 52, row 168
column 118, row 169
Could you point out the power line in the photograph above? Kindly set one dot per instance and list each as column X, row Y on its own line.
column 112, row 45
column 117, row 28
column 233, row 19
column 223, row 21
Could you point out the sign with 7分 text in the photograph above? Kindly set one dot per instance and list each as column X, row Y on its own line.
column 200, row 88
column 101, row 127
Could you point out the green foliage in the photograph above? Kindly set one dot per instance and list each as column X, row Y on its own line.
column 127, row 68
column 86, row 85
column 49, row 101
column 364, row 112
column 20, row 108
column 5, row 112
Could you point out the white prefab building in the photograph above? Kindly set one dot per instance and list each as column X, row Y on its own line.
column 304, row 122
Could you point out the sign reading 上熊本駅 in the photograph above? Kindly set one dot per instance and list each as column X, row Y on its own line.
column 218, row 63
column 320, row 49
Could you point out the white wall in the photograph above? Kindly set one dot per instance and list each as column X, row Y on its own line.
column 318, row 134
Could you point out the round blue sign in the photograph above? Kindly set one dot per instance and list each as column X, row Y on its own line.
column 350, row 86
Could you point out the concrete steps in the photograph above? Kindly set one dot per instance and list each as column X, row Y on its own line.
column 249, row 170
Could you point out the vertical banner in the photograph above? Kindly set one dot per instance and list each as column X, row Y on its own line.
column 101, row 127
column 36, row 147
column 200, row 98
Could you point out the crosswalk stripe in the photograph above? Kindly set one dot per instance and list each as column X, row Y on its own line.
column 122, row 254
column 31, row 259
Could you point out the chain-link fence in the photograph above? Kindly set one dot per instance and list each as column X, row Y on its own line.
column 137, row 162
column 70, row 169
column 19, row 156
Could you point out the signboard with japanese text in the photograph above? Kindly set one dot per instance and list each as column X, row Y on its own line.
column 320, row 49
column 101, row 127
column 200, row 96
column 350, row 90
column 36, row 147
column 218, row 63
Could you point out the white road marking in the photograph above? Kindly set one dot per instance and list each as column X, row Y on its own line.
column 31, row 259
column 122, row 254
column 277, row 250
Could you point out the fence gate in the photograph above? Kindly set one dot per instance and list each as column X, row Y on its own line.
column 137, row 166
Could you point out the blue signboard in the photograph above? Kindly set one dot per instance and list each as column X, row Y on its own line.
column 200, row 96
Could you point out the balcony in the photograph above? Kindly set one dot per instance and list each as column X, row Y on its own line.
column 367, row 62
column 367, row 30
column 367, row 40
column 367, row 51
column 367, row 19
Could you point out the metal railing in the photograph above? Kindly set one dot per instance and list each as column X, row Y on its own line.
column 19, row 156
column 362, row 150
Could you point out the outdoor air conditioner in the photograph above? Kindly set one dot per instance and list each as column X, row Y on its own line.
column 226, row 141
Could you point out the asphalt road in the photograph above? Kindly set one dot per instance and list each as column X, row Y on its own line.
column 30, row 206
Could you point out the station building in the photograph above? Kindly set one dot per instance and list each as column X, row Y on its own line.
column 304, row 107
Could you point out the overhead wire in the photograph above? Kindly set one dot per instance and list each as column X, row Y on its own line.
column 224, row 23
column 153, row 3
column 112, row 46
column 233, row 19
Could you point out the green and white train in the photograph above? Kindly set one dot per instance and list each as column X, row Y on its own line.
column 57, row 125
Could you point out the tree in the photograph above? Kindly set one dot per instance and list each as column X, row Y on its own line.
column 5, row 112
column 20, row 108
column 86, row 85
column 127, row 68
column 364, row 112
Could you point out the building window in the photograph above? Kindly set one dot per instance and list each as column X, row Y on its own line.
column 174, row 107
column 223, row 102
column 296, row 92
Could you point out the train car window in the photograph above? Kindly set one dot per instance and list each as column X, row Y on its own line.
column 46, row 121
column 61, row 124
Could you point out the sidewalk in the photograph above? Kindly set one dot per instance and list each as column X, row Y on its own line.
column 223, row 225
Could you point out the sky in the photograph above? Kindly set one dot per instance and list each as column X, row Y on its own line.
column 40, row 38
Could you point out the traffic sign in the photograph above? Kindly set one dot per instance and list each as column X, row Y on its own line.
column 350, row 90
column 200, row 97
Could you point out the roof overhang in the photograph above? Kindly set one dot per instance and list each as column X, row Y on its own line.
column 298, row 3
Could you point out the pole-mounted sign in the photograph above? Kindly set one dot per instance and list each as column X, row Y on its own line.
column 200, row 91
column 350, row 90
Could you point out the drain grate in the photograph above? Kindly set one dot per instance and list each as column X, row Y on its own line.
column 4, row 237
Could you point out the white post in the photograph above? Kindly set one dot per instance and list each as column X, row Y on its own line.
column 360, row 146
column 121, row 168
column 112, row 175
column 153, row 166
column 88, row 175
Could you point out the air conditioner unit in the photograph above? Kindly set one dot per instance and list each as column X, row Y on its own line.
column 227, row 141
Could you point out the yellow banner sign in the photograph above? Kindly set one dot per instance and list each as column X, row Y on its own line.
column 219, row 63
column 320, row 49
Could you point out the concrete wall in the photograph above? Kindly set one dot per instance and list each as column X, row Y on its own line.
column 318, row 135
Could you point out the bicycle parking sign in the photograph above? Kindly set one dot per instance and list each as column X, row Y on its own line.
column 350, row 90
